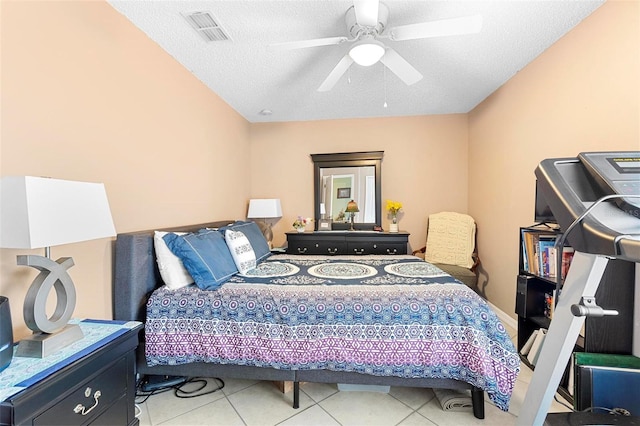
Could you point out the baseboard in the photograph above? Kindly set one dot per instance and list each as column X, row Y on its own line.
column 504, row 317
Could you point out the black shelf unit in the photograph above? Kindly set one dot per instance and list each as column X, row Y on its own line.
column 611, row 334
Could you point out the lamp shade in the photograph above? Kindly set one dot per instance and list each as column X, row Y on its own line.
column 352, row 207
column 38, row 212
column 263, row 208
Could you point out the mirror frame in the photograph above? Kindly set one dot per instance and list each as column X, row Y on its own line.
column 348, row 159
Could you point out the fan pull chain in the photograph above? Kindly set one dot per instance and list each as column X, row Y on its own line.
column 384, row 85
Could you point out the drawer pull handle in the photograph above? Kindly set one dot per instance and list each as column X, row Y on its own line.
column 358, row 251
column 334, row 251
column 81, row 409
column 394, row 251
column 302, row 250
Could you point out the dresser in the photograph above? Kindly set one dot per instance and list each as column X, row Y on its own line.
column 347, row 242
column 91, row 384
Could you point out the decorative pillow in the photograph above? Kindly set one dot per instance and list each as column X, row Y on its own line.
column 241, row 250
column 451, row 239
column 172, row 270
column 205, row 255
column 255, row 236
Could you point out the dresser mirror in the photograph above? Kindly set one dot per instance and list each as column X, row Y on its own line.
column 340, row 178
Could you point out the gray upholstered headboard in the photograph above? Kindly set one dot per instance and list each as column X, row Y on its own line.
column 136, row 272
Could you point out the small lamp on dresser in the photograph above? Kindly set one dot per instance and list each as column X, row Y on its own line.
column 41, row 212
column 265, row 208
column 352, row 207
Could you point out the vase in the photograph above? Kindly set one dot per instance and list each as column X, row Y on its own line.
column 300, row 229
column 393, row 226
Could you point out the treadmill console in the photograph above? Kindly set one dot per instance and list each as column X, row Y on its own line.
column 572, row 188
column 616, row 173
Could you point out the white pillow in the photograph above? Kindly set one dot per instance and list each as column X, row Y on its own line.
column 241, row 250
column 172, row 270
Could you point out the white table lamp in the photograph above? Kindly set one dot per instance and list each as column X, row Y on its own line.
column 40, row 212
column 265, row 208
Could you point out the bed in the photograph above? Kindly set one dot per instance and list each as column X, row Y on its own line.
column 396, row 320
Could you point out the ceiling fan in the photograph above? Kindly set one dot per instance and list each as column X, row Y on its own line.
column 366, row 24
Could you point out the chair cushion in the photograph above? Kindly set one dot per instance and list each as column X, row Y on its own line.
column 451, row 239
column 460, row 273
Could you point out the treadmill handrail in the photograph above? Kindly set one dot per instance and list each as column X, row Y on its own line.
column 559, row 244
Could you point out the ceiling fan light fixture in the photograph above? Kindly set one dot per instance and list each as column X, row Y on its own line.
column 367, row 52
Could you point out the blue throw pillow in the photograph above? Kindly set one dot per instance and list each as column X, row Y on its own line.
column 205, row 255
column 254, row 235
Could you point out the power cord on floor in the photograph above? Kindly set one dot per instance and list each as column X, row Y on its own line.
column 564, row 404
column 615, row 411
column 182, row 390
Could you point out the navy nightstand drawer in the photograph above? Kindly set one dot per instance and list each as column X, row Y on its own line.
column 90, row 399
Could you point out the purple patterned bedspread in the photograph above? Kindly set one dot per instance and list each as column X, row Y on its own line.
column 380, row 315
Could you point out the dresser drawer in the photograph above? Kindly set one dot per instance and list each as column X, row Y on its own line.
column 370, row 247
column 327, row 247
column 90, row 399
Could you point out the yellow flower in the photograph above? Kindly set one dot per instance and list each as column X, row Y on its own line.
column 394, row 207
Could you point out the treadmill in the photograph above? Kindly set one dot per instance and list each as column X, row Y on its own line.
column 595, row 199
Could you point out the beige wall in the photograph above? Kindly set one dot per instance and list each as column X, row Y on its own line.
column 424, row 164
column 87, row 96
column 582, row 94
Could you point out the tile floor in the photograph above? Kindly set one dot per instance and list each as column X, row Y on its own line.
column 246, row 402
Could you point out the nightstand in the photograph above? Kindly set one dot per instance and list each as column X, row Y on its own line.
column 90, row 382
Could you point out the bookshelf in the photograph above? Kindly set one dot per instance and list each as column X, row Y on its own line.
column 536, row 284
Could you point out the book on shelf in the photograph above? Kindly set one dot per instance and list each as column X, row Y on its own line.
column 534, row 244
column 529, row 243
column 571, row 378
column 567, row 256
column 549, row 303
column 552, row 261
column 545, row 244
column 527, row 345
column 539, row 256
column 536, row 347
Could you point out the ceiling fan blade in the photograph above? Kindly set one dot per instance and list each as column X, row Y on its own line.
column 302, row 44
column 336, row 73
column 366, row 12
column 400, row 67
column 444, row 27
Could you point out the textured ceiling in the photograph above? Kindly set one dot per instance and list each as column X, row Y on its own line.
column 459, row 71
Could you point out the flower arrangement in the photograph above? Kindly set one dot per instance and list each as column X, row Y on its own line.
column 394, row 207
column 301, row 222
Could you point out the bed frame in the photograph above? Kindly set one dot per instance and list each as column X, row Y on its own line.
column 136, row 275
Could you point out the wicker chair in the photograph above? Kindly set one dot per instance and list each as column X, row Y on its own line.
column 451, row 246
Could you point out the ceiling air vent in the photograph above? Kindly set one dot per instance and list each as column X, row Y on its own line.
column 206, row 26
